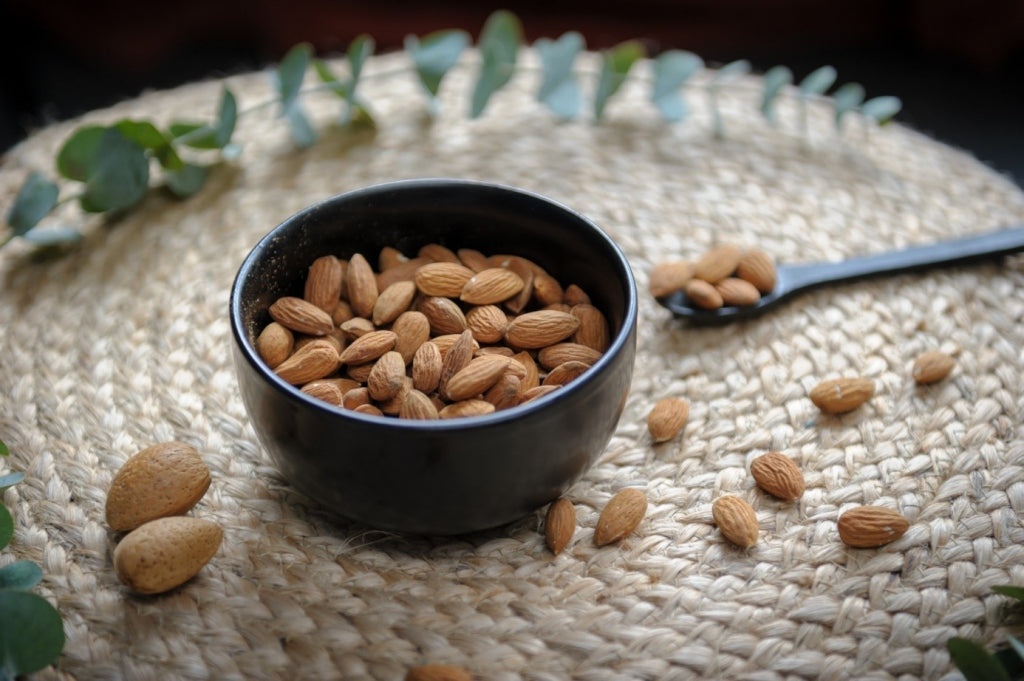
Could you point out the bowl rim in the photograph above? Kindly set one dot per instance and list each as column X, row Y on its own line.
column 250, row 355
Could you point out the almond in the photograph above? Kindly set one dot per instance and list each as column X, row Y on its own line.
column 932, row 366
column 490, row 286
column 437, row 672
column 778, row 475
column 473, row 259
column 536, row 392
column 717, row 263
column 417, row 406
column 301, row 316
column 524, row 270
column 487, row 322
column 559, row 524
column 736, row 291
column 531, row 376
column 392, row 406
column 274, row 344
column 667, row 418
column 165, row 553
column 703, row 295
column 840, row 395
column 368, row 347
column 426, row 368
column 389, row 257
column 323, row 282
column 387, row 376
column 357, row 326
column 444, row 314
column 360, row 372
column 342, row 312
column 505, row 393
column 476, row 378
column 539, row 329
column 593, row 328
column 668, row 277
column 324, row 391
column 393, row 301
column 466, row 408
column 546, row 289
column 411, row 330
column 315, row 360
column 162, row 480
column 361, row 285
column 574, row 296
column 355, row 398
column 758, row 268
column 502, row 350
column 442, row 278
column 736, row 520
column 867, row 527
column 446, row 341
column 620, row 516
column 565, row 372
column 560, row 353
column 403, row 271
column 459, row 355
column 438, row 253
column 369, row 410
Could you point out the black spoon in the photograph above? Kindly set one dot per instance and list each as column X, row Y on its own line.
column 793, row 279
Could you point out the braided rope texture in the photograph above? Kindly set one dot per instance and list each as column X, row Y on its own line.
column 126, row 343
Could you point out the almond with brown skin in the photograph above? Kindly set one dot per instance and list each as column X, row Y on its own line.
column 778, row 475
column 574, row 296
column 466, row 408
column 536, row 393
column 356, row 327
column 355, row 398
column 559, row 525
column 840, row 395
column 560, row 353
column 393, row 405
column 389, row 257
column 546, row 289
column 736, row 520
column 565, row 372
column 473, row 259
column 417, row 406
column 476, row 378
column 524, row 270
column 458, row 356
column 490, row 286
column 758, row 268
column 368, row 347
column 315, row 360
column 359, row 372
column 620, row 516
column 438, row 253
column 323, row 282
column 393, row 301
column 162, row 480
column 531, row 375
column 387, row 376
column 487, row 322
column 442, row 278
column 326, row 392
column 593, row 328
column 411, row 330
column 165, row 553
column 540, row 329
column 274, row 344
column 868, row 527
column 738, row 292
column 505, row 393
column 426, row 368
column 932, row 366
column 444, row 314
column 667, row 418
column 361, row 285
column 369, row 410
column 301, row 316
column 668, row 277
column 717, row 263
column 342, row 312
column 703, row 295
column 403, row 271
column 437, row 672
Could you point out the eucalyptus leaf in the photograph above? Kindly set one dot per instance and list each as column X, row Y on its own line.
column 616, row 63
column 1017, row 646
column 671, row 70
column 227, row 118
column 730, row 72
column 559, row 90
column 881, row 109
column 119, row 176
column 58, row 238
column 4, row 451
column 299, row 127
column 10, row 480
column 290, row 73
column 328, row 78
column 1012, row 658
column 77, row 155
column 31, row 633
column 6, row 527
column 775, row 80
column 846, row 99
column 188, row 180
column 36, row 198
column 147, row 136
column 1016, row 592
column 818, row 81
column 974, row 662
column 21, row 575
column 435, row 55
column 499, row 46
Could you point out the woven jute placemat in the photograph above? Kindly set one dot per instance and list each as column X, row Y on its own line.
column 125, row 343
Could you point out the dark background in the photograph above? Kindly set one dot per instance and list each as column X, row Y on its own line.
column 957, row 65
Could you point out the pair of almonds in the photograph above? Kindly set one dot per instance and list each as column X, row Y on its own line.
column 842, row 395
column 147, row 499
column 774, row 473
column 620, row 516
column 725, row 275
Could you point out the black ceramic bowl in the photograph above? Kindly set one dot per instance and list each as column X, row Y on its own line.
column 447, row 476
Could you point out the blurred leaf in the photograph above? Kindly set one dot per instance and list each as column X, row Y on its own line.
column 20, row 575
column 188, row 180
column 227, row 117
column 358, row 52
column 1012, row 658
column 119, row 176
column 615, row 65
column 559, row 89
column 499, row 44
column 881, row 109
column 1016, row 592
column 56, row 238
column 290, row 73
column 6, row 527
column 775, row 80
column 327, row 77
column 10, row 479
column 147, row 136
column 974, row 662
column 846, row 99
column 730, row 72
column 207, row 136
column 671, row 71
column 31, row 633
column 299, row 127
column 435, row 55
column 36, row 198
column 4, row 451
column 818, row 81
column 77, row 156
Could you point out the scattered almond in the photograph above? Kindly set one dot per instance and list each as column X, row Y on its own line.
column 871, row 526
column 778, row 475
column 165, row 479
column 667, row 418
column 559, row 524
column 840, row 395
column 165, row 553
column 620, row 516
column 437, row 672
column 736, row 520
column 932, row 366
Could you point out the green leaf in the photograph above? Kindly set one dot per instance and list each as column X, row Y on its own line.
column 730, row 72
column 559, row 90
column 1012, row 658
column 53, row 240
column 327, row 77
column 499, row 45
column 298, row 125
column 846, row 99
column 20, row 575
column 358, row 52
column 188, row 180
column 36, row 198
column 881, row 109
column 77, row 156
column 205, row 135
column 119, row 176
column 4, row 451
column 146, row 135
column 290, row 73
column 6, row 527
column 227, row 117
column 974, row 662
column 435, row 55
column 776, row 79
column 671, row 71
column 615, row 65
column 818, row 81
column 10, row 480
column 1016, row 592
column 31, row 633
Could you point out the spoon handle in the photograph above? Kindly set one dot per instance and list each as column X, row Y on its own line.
column 952, row 252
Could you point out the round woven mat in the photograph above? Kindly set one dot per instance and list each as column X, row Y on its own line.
column 125, row 343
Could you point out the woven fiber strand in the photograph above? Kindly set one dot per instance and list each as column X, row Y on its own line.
column 125, row 343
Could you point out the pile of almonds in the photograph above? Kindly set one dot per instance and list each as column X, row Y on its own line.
column 148, row 498
column 723, row 276
column 443, row 334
